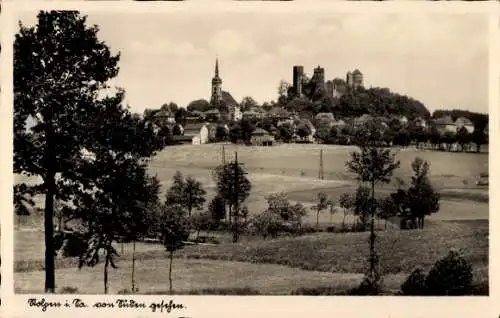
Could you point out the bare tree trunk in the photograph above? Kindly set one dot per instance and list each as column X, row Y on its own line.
column 133, row 266
column 106, row 264
column 49, row 234
column 373, row 256
column 170, row 273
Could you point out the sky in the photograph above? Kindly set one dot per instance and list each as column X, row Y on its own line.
column 440, row 59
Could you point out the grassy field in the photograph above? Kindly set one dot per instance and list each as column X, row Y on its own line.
column 282, row 265
column 289, row 263
column 152, row 277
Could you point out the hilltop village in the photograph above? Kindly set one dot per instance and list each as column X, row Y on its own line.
column 316, row 110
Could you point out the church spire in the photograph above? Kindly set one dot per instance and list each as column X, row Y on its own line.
column 217, row 67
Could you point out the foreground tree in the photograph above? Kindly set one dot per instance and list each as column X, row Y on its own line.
column 321, row 204
column 175, row 231
column 423, row 199
column 59, row 68
column 372, row 165
column 186, row 192
column 346, row 202
column 116, row 208
column 234, row 187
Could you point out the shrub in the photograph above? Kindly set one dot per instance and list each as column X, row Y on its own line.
column 414, row 284
column 481, row 289
column 68, row 290
column 450, row 276
column 366, row 288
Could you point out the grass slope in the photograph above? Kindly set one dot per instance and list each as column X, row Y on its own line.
column 399, row 251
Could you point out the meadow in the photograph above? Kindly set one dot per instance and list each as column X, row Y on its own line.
column 323, row 259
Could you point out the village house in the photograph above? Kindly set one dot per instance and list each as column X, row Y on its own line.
column 420, row 122
column 445, row 124
column 212, row 130
column 464, row 122
column 163, row 118
column 212, row 114
column 193, row 133
column 278, row 113
column 261, row 137
column 250, row 114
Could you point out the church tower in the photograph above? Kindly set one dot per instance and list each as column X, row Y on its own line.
column 216, row 86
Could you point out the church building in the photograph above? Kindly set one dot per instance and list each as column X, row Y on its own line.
column 223, row 100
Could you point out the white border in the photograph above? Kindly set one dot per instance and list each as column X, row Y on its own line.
column 268, row 306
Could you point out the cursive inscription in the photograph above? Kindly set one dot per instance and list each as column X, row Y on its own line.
column 129, row 304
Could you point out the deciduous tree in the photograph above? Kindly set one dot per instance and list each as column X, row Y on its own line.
column 372, row 165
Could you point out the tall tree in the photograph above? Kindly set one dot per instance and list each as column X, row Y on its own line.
column 463, row 137
column 217, row 209
column 175, row 230
column 423, row 198
column 60, row 66
column 321, row 204
column 234, row 187
column 479, row 138
column 194, row 194
column 247, row 103
column 372, row 165
column 346, row 202
column 186, row 192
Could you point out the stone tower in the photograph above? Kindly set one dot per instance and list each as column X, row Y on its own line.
column 298, row 75
column 319, row 77
column 216, row 97
column 357, row 78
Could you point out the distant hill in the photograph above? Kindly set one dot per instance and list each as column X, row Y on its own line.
column 379, row 102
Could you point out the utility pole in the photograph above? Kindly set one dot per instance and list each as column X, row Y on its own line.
column 321, row 175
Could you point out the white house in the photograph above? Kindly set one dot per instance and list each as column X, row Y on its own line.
column 464, row 122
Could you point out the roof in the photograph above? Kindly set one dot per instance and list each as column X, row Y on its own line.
column 193, row 129
column 445, row 120
column 260, row 131
column 213, row 111
column 163, row 113
column 278, row 111
column 464, row 120
column 228, row 99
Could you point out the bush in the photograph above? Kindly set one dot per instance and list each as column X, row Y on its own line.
column 414, row 284
column 481, row 289
column 68, row 290
column 450, row 276
column 366, row 288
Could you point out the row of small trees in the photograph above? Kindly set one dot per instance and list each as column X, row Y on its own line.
column 405, row 135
